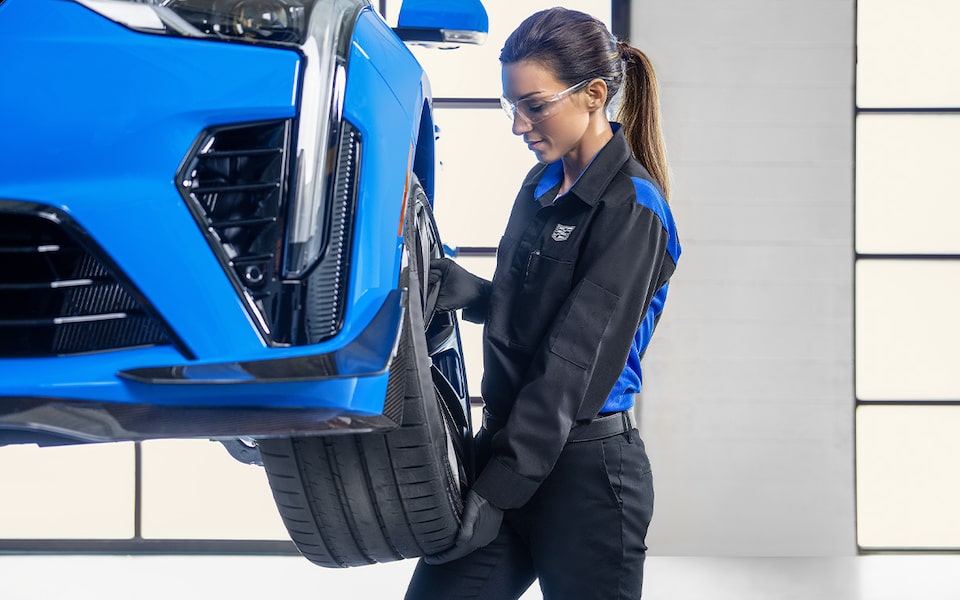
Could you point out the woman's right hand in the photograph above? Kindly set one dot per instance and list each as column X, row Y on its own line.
column 458, row 287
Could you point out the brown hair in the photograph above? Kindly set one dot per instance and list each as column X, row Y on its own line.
column 575, row 47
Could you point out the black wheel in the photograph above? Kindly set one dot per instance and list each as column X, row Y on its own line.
column 358, row 499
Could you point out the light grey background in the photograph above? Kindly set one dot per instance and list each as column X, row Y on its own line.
column 748, row 405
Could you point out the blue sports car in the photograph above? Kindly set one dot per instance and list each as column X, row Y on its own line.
column 215, row 222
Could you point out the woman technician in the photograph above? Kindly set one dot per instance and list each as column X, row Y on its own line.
column 564, row 491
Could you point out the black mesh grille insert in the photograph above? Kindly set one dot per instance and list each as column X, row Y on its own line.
column 57, row 299
column 234, row 182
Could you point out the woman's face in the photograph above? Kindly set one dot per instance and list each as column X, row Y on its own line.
column 533, row 89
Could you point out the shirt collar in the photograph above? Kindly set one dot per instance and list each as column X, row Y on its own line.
column 596, row 177
column 551, row 177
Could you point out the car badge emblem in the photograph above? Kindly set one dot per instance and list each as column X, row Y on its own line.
column 562, row 232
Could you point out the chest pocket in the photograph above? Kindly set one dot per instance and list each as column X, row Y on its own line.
column 544, row 287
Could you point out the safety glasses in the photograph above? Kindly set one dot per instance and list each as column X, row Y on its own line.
column 534, row 110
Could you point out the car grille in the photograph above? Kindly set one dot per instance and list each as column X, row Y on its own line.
column 58, row 299
column 234, row 182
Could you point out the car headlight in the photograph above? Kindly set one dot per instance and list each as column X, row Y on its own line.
column 281, row 21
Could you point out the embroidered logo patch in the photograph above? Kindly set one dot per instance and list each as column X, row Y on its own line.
column 562, row 232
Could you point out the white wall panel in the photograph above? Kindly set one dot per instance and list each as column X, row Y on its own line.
column 908, row 330
column 909, row 53
column 67, row 492
column 193, row 489
column 907, row 485
column 482, row 165
column 908, row 200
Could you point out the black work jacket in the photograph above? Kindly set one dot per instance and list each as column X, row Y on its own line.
column 574, row 278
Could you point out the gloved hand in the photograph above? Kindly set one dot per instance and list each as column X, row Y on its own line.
column 458, row 288
column 479, row 526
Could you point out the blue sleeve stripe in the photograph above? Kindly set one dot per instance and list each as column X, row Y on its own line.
column 648, row 195
column 649, row 322
column 631, row 378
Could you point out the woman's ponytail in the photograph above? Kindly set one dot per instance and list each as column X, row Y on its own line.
column 640, row 114
column 575, row 46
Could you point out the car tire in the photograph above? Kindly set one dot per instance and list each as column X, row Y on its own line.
column 357, row 499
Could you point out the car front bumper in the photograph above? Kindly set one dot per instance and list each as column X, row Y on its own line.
column 204, row 407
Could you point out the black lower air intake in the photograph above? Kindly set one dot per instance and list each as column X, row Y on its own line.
column 57, row 298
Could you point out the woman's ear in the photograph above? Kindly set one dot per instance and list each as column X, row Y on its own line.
column 596, row 94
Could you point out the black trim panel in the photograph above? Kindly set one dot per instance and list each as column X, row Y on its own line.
column 51, row 421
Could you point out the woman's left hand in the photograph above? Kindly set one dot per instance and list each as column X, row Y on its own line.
column 480, row 526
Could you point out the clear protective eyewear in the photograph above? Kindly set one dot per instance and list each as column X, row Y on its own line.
column 533, row 110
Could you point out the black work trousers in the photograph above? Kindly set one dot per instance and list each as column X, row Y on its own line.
column 581, row 534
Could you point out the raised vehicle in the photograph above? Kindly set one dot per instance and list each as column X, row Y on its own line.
column 215, row 222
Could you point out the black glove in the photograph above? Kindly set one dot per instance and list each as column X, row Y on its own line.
column 479, row 526
column 458, row 288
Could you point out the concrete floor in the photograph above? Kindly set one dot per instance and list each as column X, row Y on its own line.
column 881, row 577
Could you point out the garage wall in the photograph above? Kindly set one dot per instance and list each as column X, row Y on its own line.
column 748, row 405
